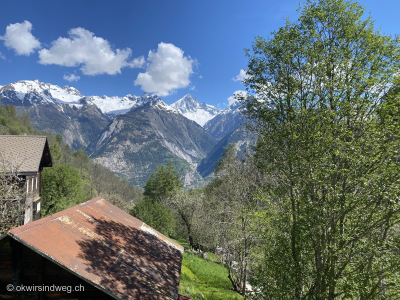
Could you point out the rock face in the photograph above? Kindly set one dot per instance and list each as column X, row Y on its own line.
column 192, row 109
column 244, row 141
column 225, row 122
column 151, row 134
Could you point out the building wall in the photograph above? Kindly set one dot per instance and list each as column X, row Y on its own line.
column 20, row 265
column 33, row 200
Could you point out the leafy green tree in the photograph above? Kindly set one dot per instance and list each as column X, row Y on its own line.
column 162, row 183
column 329, row 144
column 155, row 215
column 61, row 188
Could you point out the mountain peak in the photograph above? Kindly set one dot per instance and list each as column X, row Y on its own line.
column 194, row 110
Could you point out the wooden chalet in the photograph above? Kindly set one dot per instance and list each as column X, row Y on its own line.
column 26, row 156
column 95, row 248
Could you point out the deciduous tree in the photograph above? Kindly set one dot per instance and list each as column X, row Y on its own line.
column 329, row 143
column 12, row 200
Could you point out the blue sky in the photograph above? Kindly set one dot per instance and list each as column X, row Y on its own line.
column 103, row 47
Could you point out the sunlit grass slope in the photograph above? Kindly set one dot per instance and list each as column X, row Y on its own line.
column 205, row 279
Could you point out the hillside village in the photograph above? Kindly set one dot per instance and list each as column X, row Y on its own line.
column 289, row 190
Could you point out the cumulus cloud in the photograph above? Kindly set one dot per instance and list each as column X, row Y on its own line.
column 167, row 70
column 71, row 77
column 94, row 54
column 241, row 76
column 2, row 56
column 18, row 37
column 232, row 99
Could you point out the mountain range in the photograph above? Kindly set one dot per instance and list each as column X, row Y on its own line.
column 131, row 135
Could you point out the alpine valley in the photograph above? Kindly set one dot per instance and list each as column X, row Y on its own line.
column 131, row 135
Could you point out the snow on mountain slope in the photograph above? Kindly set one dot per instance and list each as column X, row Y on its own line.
column 37, row 92
column 114, row 105
column 48, row 92
column 192, row 109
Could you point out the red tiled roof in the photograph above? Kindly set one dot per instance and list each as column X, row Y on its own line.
column 108, row 248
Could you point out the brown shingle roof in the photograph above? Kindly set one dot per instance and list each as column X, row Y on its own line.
column 23, row 153
column 109, row 249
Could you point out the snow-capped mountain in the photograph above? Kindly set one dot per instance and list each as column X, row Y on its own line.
column 36, row 91
column 130, row 134
column 192, row 109
column 149, row 134
column 113, row 106
column 27, row 92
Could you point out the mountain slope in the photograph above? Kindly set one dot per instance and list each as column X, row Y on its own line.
column 58, row 110
column 192, row 109
column 243, row 139
column 225, row 122
column 151, row 134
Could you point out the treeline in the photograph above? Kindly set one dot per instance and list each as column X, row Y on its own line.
column 13, row 124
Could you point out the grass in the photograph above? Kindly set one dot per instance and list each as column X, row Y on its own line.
column 205, row 279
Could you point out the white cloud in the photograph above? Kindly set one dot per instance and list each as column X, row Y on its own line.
column 232, row 99
column 2, row 56
column 137, row 62
column 71, row 77
column 192, row 88
column 166, row 71
column 241, row 76
column 94, row 53
column 18, row 37
column 201, row 76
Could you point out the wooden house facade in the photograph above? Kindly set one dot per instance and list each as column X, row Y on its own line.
column 26, row 156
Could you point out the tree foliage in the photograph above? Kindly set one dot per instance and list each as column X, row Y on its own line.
column 62, row 187
column 162, row 183
column 188, row 210
column 232, row 203
column 155, row 215
column 13, row 124
column 329, row 142
column 152, row 210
